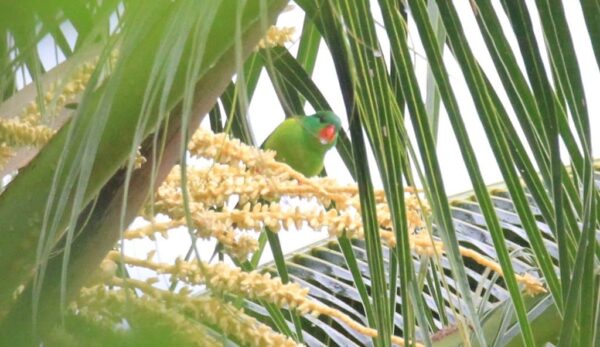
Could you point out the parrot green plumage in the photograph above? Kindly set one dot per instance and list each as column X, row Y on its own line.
column 302, row 141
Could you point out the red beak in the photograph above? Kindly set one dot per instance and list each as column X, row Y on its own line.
column 327, row 134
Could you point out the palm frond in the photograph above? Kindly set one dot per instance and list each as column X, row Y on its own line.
column 92, row 125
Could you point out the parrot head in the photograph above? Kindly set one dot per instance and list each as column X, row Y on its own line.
column 324, row 126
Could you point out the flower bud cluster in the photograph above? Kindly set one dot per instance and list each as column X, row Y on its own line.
column 276, row 36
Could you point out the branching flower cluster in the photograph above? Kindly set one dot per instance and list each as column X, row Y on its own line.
column 242, row 191
column 221, row 279
column 276, row 36
column 31, row 127
column 259, row 182
column 180, row 311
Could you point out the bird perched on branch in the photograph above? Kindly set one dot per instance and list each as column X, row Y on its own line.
column 302, row 141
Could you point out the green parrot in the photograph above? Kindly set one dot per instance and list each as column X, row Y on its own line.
column 302, row 141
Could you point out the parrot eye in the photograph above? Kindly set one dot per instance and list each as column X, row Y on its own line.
column 321, row 119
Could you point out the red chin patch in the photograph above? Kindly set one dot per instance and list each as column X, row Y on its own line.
column 327, row 134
